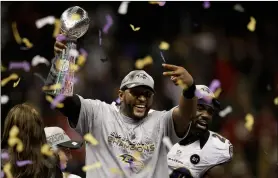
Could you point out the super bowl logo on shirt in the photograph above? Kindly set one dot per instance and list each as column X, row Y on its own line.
column 195, row 159
column 134, row 165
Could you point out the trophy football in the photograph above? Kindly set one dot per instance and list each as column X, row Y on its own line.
column 74, row 24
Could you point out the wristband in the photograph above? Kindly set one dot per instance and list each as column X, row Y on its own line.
column 189, row 93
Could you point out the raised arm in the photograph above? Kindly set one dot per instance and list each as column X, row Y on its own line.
column 186, row 110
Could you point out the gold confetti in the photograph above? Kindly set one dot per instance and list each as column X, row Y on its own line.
column 249, row 122
column 75, row 17
column 6, row 80
column 81, row 60
column 137, row 155
column 45, row 150
column 91, row 139
column 7, row 170
column 276, row 101
column 27, row 42
column 13, row 140
column 57, row 26
column 133, row 28
column 16, row 83
column 116, row 171
column 74, row 67
column 92, row 166
column 15, row 33
column 50, row 99
column 141, row 63
column 164, row 45
column 251, row 26
column 52, row 87
column 217, row 92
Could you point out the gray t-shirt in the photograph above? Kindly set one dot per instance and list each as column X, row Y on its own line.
column 126, row 148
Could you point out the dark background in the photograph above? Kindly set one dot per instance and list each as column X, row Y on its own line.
column 211, row 43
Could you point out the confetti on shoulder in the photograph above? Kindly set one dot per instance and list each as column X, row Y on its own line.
column 92, row 166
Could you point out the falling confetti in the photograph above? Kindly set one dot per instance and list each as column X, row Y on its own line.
column 4, row 155
column 61, row 38
column 141, row 63
column 214, row 85
column 52, row 87
column 164, row 45
column 18, row 65
column 83, row 52
column 39, row 60
column 276, row 101
column 15, row 33
column 27, row 43
column 57, row 100
column 50, row 99
column 123, row 8
column 57, row 26
column 249, row 122
column 160, row 3
column 7, row 170
column 16, row 83
column 23, row 163
column 45, row 150
column 6, row 80
column 161, row 54
column 133, row 28
column 251, row 26
column 217, row 93
column 44, row 21
column 206, row 4
column 91, row 139
column 238, row 8
column 109, row 23
column 4, row 99
column 92, row 166
column 81, row 60
column 116, row 171
column 225, row 111
column 13, row 140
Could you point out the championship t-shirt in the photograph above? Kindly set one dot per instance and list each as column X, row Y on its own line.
column 127, row 148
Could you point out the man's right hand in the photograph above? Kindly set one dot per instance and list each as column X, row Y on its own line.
column 59, row 46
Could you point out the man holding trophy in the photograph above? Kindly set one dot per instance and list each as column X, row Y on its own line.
column 129, row 135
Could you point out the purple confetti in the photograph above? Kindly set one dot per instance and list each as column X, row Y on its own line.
column 23, row 163
column 4, row 155
column 109, row 22
column 2, row 174
column 214, row 85
column 161, row 54
column 99, row 36
column 61, row 37
column 57, row 100
column 161, row 3
column 17, row 65
column 206, row 4
column 118, row 101
column 83, row 52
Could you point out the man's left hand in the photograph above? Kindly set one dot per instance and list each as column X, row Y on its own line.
column 179, row 75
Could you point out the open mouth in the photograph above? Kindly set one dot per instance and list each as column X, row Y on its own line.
column 140, row 108
column 201, row 124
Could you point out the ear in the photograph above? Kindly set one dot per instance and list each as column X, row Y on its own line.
column 121, row 95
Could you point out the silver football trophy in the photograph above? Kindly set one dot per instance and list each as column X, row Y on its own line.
column 74, row 24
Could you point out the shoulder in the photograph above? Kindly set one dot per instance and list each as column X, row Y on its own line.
column 221, row 146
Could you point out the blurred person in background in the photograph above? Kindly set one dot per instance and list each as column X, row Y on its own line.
column 31, row 133
column 202, row 151
column 62, row 144
column 132, row 127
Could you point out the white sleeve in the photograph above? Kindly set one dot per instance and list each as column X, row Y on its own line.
column 227, row 153
column 87, row 115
